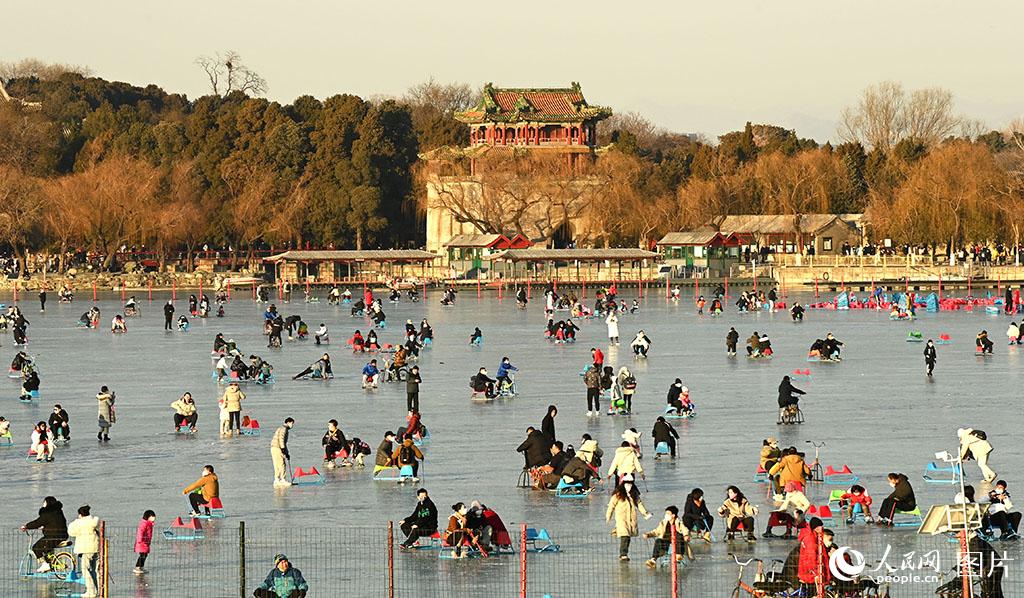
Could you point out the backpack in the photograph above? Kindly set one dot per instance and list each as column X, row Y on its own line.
column 406, row 455
column 630, row 383
column 980, row 434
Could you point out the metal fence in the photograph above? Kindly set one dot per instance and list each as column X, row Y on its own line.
column 231, row 560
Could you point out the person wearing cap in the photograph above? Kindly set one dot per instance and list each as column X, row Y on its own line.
column 813, row 568
column 283, row 581
column 974, row 443
column 233, row 398
column 384, row 450
column 279, row 453
column 770, row 453
column 624, row 505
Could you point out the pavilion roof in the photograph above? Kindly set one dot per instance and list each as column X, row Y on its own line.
column 527, row 104
column 347, row 255
column 477, row 240
column 566, row 255
column 780, row 224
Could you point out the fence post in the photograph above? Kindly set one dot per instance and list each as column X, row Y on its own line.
column 149, row 285
column 391, row 559
column 675, row 567
column 241, row 559
column 522, row 560
column 103, row 577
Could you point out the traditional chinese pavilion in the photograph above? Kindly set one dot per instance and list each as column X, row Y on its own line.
column 557, row 118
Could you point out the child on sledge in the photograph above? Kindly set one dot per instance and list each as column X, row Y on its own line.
column 856, row 495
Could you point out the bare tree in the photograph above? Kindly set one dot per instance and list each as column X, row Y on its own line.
column 877, row 119
column 44, row 71
column 929, row 115
column 227, row 73
column 630, row 122
column 446, row 98
column 886, row 114
column 515, row 192
column 21, row 207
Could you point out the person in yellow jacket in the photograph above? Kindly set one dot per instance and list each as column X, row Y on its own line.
column 204, row 489
column 279, row 454
column 185, row 412
column 233, row 398
column 790, row 468
column 624, row 506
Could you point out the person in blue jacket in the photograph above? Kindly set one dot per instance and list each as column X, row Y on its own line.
column 371, row 374
column 283, row 581
column 504, row 369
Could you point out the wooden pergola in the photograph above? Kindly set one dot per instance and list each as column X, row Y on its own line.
column 565, row 264
column 297, row 265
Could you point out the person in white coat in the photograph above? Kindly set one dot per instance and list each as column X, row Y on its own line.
column 613, row 328
column 87, row 546
column 974, row 443
column 1013, row 334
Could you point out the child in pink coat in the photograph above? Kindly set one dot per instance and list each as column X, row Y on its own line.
column 143, row 538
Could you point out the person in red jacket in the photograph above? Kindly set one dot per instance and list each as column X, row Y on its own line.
column 812, row 568
column 598, row 357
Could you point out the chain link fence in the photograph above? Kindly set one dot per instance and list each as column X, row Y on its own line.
column 231, row 560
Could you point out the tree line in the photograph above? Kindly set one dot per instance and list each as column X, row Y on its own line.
column 91, row 164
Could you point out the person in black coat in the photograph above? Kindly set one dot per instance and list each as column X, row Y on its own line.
column 536, row 448
column 168, row 315
column 731, row 339
column 59, row 423
column 412, row 389
column 901, row 499
column 547, row 425
column 55, row 530
column 664, row 432
column 695, row 512
column 787, row 392
column 930, row 356
column 559, row 459
column 423, row 521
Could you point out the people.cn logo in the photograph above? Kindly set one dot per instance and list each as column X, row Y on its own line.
column 846, row 569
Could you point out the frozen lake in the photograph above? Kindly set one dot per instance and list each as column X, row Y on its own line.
column 876, row 411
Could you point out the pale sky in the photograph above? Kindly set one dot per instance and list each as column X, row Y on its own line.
column 704, row 67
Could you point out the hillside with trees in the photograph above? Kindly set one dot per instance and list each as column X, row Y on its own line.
column 88, row 164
